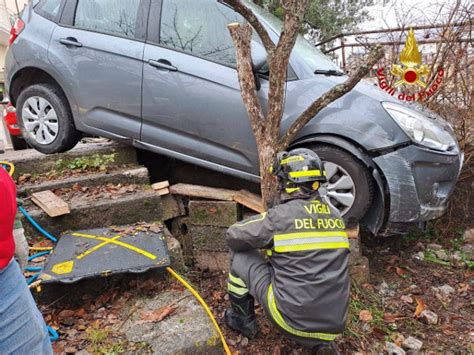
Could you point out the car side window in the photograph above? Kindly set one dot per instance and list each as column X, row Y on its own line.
column 199, row 28
column 117, row 17
column 49, row 9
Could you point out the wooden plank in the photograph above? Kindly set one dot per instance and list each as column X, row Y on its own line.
column 250, row 200
column 160, row 185
column 353, row 232
column 163, row 192
column 203, row 191
column 50, row 203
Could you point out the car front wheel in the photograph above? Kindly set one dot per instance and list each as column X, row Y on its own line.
column 46, row 120
column 350, row 187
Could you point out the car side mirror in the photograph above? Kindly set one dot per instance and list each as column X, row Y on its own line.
column 259, row 56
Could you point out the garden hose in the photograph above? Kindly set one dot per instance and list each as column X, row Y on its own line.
column 203, row 304
column 9, row 165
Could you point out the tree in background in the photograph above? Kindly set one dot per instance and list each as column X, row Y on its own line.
column 326, row 18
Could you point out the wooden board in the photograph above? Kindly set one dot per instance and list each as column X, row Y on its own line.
column 353, row 233
column 50, row 203
column 163, row 192
column 203, row 191
column 160, row 185
column 249, row 200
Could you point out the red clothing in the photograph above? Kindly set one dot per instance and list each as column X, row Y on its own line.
column 7, row 217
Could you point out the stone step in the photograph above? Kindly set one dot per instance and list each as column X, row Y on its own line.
column 33, row 162
column 127, row 175
column 139, row 206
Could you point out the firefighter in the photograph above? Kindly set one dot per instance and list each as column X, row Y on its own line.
column 303, row 284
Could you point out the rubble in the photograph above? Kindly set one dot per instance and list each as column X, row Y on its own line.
column 412, row 343
column 430, row 317
column 393, row 349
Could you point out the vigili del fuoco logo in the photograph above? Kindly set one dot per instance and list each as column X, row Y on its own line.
column 411, row 72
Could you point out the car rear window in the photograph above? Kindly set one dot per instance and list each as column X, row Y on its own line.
column 49, row 9
column 117, row 17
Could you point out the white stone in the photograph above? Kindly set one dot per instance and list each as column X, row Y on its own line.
column 434, row 246
column 429, row 316
column 446, row 290
column 411, row 343
column 468, row 236
column 393, row 349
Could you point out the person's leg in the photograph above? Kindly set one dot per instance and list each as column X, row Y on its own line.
column 22, row 328
column 248, row 277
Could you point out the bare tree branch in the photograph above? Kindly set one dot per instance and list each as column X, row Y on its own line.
column 255, row 22
column 242, row 37
column 330, row 96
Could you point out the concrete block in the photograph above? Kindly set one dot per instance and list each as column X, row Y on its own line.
column 213, row 213
column 32, row 162
column 143, row 206
column 180, row 231
column 212, row 260
column 187, row 331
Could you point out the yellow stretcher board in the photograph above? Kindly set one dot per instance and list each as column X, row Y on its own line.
column 104, row 252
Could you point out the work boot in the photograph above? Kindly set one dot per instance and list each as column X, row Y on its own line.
column 325, row 349
column 241, row 316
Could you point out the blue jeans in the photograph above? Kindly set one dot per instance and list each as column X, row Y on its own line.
column 22, row 328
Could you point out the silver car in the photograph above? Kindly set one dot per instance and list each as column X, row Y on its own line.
column 160, row 75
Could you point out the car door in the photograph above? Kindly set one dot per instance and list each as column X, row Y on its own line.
column 192, row 106
column 98, row 49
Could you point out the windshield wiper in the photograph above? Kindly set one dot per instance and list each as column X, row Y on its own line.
column 330, row 72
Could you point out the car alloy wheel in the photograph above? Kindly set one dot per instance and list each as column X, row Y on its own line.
column 40, row 120
column 340, row 189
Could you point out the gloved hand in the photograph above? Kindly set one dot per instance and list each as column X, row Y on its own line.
column 21, row 247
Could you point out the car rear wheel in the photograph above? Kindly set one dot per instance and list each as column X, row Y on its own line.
column 350, row 186
column 46, row 120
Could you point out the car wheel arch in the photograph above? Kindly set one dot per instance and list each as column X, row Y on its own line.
column 375, row 221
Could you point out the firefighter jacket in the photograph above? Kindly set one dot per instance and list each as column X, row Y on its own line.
column 309, row 251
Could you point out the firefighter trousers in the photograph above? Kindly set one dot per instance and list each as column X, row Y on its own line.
column 256, row 272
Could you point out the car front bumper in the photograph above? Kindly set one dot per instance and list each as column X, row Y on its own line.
column 419, row 183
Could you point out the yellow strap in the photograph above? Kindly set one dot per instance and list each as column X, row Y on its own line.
column 276, row 315
column 292, row 159
column 299, row 235
column 307, row 173
column 122, row 244
column 312, row 246
column 237, row 281
column 244, row 223
column 290, row 190
column 237, row 290
column 91, row 250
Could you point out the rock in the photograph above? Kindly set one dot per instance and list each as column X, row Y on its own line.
column 393, row 349
column 411, row 343
column 434, row 246
column 468, row 236
column 187, row 331
column 442, row 254
column 419, row 256
column 212, row 260
column 429, row 316
column 468, row 251
column 406, row 299
column 446, row 290
column 415, row 289
column 360, row 273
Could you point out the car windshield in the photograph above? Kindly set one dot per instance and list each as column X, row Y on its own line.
column 312, row 56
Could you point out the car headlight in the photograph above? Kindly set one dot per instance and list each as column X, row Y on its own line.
column 420, row 128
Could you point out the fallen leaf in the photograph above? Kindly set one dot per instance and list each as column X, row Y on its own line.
column 277, row 350
column 66, row 313
column 463, row 288
column 392, row 317
column 420, row 306
column 400, row 272
column 158, row 315
column 365, row 316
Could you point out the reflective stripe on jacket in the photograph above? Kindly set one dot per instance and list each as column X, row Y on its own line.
column 310, row 250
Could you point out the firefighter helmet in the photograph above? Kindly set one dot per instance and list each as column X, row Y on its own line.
column 299, row 168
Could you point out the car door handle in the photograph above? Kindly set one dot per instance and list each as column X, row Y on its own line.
column 162, row 64
column 70, row 42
